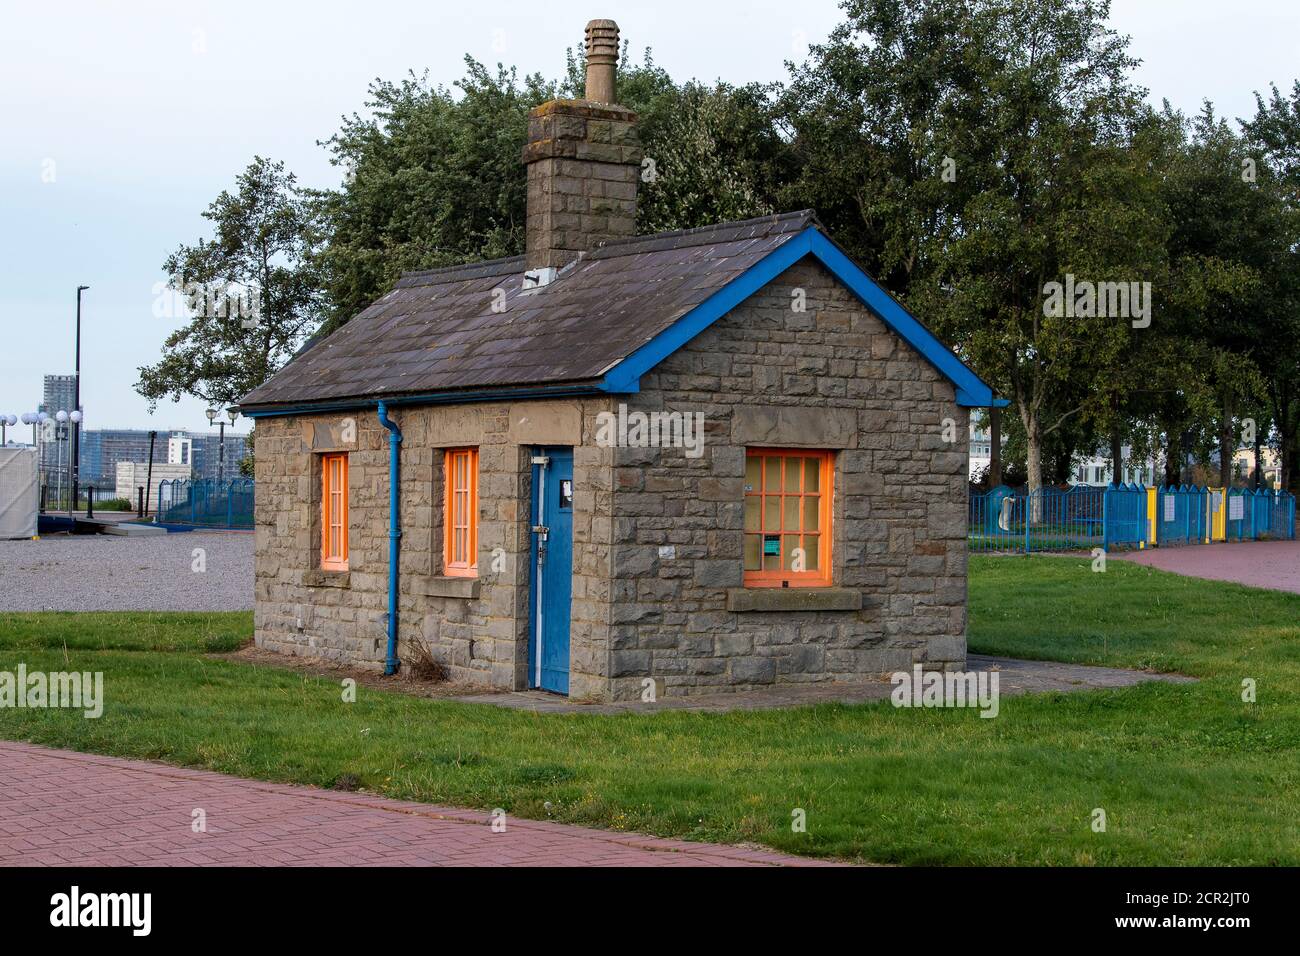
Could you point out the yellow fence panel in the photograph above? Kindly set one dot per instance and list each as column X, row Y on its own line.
column 1217, row 504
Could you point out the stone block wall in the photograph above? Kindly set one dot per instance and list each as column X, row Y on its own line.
column 830, row 377
column 476, row 627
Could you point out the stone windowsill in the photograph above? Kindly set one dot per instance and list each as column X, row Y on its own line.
column 446, row 586
column 795, row 599
column 318, row 578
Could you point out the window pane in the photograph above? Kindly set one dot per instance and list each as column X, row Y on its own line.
column 792, row 474
column 811, row 544
column 812, row 474
column 789, row 545
column 753, row 472
column 751, row 513
column 812, row 513
column 771, row 513
column 753, row 544
column 771, row 562
column 772, row 474
column 791, row 514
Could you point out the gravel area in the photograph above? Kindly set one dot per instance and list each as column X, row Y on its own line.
column 102, row 572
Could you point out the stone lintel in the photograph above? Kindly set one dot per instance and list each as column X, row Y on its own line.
column 782, row 426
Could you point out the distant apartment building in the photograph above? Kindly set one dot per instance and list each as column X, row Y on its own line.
column 1095, row 469
column 180, row 450
column 1243, row 467
column 59, row 395
column 103, row 449
column 981, row 448
column 206, row 456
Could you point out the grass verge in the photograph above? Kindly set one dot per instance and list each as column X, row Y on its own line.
column 1187, row 774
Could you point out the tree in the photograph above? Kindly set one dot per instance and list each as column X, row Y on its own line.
column 1224, row 248
column 433, row 179
column 251, row 291
column 981, row 150
column 717, row 157
column 716, row 152
column 1273, row 136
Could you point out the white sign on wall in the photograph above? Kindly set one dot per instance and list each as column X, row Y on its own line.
column 1169, row 507
column 1236, row 508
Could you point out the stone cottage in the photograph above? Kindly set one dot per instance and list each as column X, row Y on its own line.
column 712, row 459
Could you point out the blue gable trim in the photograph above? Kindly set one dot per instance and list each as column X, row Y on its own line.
column 972, row 392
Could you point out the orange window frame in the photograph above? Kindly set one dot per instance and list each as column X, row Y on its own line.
column 460, row 512
column 334, row 512
column 789, row 496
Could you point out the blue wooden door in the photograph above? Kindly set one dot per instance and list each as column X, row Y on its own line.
column 550, row 577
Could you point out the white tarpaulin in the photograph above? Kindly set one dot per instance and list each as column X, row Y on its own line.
column 19, row 497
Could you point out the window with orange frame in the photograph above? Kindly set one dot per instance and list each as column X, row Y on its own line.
column 334, row 512
column 788, row 498
column 460, row 513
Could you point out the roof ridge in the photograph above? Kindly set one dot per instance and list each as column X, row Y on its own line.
column 614, row 247
column 483, row 266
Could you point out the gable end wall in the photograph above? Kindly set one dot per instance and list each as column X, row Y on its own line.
column 834, row 376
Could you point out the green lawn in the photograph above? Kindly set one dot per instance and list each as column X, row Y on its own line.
column 1187, row 774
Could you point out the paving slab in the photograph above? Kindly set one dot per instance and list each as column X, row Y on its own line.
column 1014, row 677
column 61, row 808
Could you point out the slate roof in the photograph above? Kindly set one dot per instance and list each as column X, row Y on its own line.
column 436, row 331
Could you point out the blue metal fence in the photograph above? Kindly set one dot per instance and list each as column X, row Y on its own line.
column 1121, row 516
column 1181, row 514
column 1048, row 519
column 1263, row 514
column 1126, row 516
column 206, row 503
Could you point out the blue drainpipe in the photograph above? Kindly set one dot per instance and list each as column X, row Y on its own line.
column 394, row 531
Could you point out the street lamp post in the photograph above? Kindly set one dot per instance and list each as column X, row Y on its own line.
column 221, row 449
column 76, row 407
column 212, row 414
column 60, row 433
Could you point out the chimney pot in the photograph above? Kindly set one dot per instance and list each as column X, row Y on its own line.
column 602, row 59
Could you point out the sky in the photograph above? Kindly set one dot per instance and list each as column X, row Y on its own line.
column 123, row 120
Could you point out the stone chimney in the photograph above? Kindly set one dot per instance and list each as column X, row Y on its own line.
column 583, row 161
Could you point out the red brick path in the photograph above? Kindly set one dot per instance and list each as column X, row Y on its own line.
column 1261, row 564
column 62, row 808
